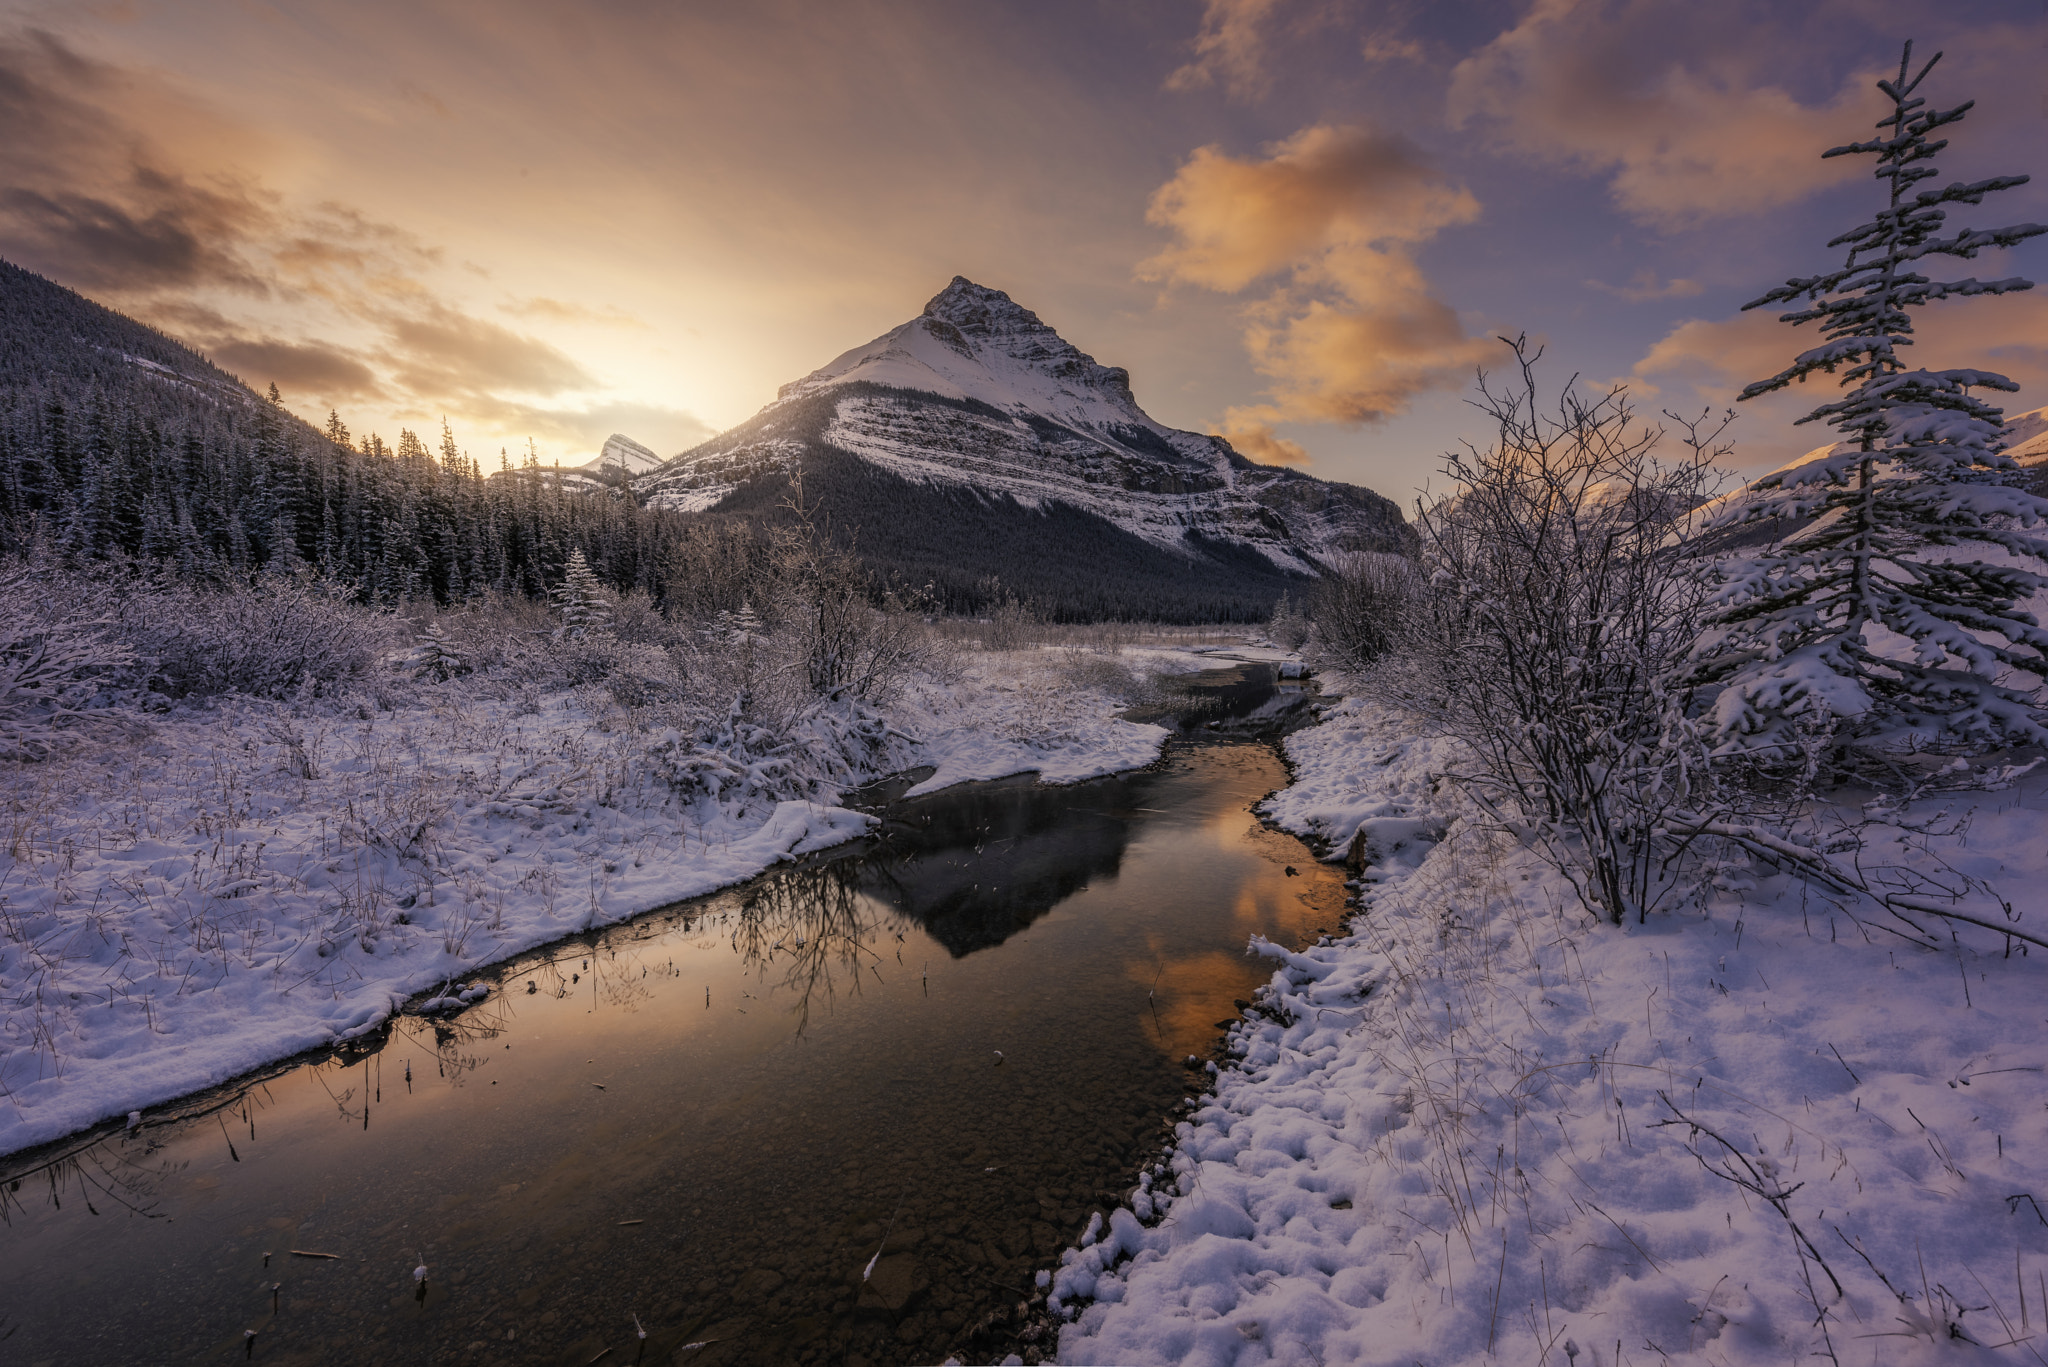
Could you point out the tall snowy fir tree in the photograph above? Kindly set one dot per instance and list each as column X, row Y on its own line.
column 1864, row 618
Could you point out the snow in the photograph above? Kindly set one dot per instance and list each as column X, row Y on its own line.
column 1466, row 1129
column 253, row 880
column 1014, row 717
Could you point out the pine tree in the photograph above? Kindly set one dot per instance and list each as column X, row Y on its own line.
column 434, row 655
column 1806, row 634
column 581, row 600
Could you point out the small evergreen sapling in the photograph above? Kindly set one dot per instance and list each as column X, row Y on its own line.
column 1810, row 631
column 434, row 655
column 581, row 600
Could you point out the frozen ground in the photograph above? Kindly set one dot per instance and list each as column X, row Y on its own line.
column 252, row 880
column 1482, row 1127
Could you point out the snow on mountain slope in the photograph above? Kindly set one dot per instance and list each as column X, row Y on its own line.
column 977, row 393
column 2027, row 437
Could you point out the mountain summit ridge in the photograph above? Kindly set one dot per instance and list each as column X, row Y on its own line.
column 973, row 342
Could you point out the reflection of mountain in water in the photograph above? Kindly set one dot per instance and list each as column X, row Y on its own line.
column 974, row 867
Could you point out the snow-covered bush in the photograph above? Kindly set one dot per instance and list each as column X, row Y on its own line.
column 57, row 665
column 585, row 604
column 278, row 638
column 434, row 655
column 1289, row 626
column 1358, row 605
column 1559, row 607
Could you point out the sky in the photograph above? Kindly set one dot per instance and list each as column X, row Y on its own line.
column 1304, row 224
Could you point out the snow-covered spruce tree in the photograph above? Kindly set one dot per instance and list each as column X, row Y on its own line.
column 581, row 600
column 1289, row 626
column 1858, row 615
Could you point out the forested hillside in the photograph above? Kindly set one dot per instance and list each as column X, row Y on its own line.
column 117, row 443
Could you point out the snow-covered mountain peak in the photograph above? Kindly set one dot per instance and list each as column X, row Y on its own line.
column 976, row 343
column 621, row 452
column 973, row 444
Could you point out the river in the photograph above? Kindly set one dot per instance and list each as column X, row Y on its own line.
column 842, row 1113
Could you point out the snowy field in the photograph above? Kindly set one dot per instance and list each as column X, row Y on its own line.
column 1766, row 1128
column 248, row 880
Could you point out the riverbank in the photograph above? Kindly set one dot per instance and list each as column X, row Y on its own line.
column 1482, row 1125
column 249, row 881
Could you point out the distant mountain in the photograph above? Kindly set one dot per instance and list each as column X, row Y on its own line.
column 621, row 452
column 616, row 466
column 975, row 449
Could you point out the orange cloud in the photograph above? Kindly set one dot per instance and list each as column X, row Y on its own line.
column 1325, row 192
column 1352, row 331
column 1256, row 440
column 1592, row 84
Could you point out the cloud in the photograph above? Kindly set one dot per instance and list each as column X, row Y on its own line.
column 1643, row 288
column 335, row 307
column 1257, row 441
column 89, row 199
column 438, row 350
column 333, row 374
column 1230, row 49
column 1351, row 331
column 1327, row 191
column 1594, row 85
column 565, row 311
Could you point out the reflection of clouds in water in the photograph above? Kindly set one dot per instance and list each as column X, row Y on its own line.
column 1181, row 1017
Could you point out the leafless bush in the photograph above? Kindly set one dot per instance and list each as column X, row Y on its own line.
column 718, row 567
column 280, row 638
column 1359, row 605
column 844, row 641
column 56, row 663
column 1561, row 605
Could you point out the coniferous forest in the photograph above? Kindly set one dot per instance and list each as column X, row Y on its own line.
column 119, row 444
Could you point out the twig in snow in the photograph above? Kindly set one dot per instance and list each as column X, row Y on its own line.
column 1750, row 1179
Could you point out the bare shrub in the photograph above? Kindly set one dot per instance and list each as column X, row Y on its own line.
column 1561, row 607
column 57, row 664
column 717, row 568
column 279, row 638
column 1359, row 605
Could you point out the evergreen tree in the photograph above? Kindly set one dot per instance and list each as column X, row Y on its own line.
column 1808, row 632
column 434, row 655
column 581, row 600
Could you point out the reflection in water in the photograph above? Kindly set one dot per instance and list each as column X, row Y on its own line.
column 930, row 1058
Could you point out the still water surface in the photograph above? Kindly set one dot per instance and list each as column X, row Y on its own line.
column 932, row 1055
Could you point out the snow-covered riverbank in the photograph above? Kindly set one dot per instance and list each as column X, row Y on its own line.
column 251, row 880
column 1756, row 1130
